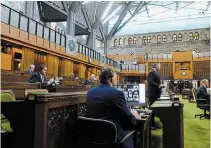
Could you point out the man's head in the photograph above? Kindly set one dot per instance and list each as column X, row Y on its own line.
column 156, row 66
column 42, row 69
column 205, row 82
column 108, row 76
column 32, row 67
column 93, row 77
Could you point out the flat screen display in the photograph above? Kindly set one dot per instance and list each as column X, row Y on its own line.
column 134, row 93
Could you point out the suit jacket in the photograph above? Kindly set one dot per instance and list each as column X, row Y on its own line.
column 29, row 72
column 36, row 78
column 153, row 81
column 106, row 102
column 202, row 93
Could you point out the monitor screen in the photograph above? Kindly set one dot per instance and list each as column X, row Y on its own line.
column 134, row 93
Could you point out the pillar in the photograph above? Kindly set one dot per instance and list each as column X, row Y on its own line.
column 70, row 23
column 91, row 39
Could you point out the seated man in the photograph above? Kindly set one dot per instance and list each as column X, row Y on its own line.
column 91, row 80
column 107, row 102
column 202, row 90
column 40, row 75
column 31, row 69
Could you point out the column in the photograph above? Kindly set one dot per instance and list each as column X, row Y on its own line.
column 70, row 23
column 29, row 9
column 91, row 39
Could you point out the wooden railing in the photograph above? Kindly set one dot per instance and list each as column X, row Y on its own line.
column 22, row 28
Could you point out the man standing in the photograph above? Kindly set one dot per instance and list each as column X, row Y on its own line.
column 107, row 102
column 202, row 90
column 31, row 69
column 154, row 87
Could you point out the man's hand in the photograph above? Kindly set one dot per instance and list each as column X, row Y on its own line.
column 162, row 86
column 135, row 113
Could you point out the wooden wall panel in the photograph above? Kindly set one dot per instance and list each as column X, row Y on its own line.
column 62, row 49
column 14, row 32
column 46, row 44
column 32, row 39
column 4, row 29
column 6, row 61
column 24, row 36
column 182, row 56
column 58, row 48
column 52, row 46
column 40, row 41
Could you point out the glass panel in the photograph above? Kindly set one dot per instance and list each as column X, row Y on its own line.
column 84, row 50
column 52, row 38
column 39, row 30
column 14, row 19
column 32, row 26
column 24, row 23
column 46, row 33
column 4, row 14
column 58, row 36
column 81, row 49
column 87, row 51
column 63, row 41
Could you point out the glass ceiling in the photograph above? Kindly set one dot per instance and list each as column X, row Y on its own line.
column 164, row 13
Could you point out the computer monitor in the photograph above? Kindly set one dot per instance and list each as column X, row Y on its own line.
column 134, row 94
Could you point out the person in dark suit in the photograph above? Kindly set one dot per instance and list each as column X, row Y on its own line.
column 202, row 90
column 107, row 102
column 31, row 69
column 154, row 88
column 40, row 75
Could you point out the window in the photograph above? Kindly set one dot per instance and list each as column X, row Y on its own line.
column 129, row 41
column 180, row 37
column 159, row 39
column 144, row 40
column 164, row 38
column 149, row 39
column 120, row 41
column 134, row 40
column 190, row 36
column 115, row 42
column 174, row 37
column 196, row 36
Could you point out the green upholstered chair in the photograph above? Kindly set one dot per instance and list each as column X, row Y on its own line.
column 6, row 96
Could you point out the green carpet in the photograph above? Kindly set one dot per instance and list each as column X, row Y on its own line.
column 196, row 131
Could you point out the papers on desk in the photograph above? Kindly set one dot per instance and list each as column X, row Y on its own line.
column 166, row 103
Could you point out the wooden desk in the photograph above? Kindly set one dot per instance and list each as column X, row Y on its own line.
column 66, row 88
column 46, row 122
column 19, row 88
column 171, row 116
column 143, row 127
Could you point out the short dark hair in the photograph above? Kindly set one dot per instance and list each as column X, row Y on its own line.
column 41, row 67
column 106, row 75
column 154, row 65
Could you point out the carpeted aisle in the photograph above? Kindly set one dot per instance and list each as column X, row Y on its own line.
column 196, row 131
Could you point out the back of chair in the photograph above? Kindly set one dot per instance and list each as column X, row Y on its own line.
column 96, row 131
column 194, row 94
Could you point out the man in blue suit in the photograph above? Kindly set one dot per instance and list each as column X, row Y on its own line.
column 107, row 102
column 202, row 90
